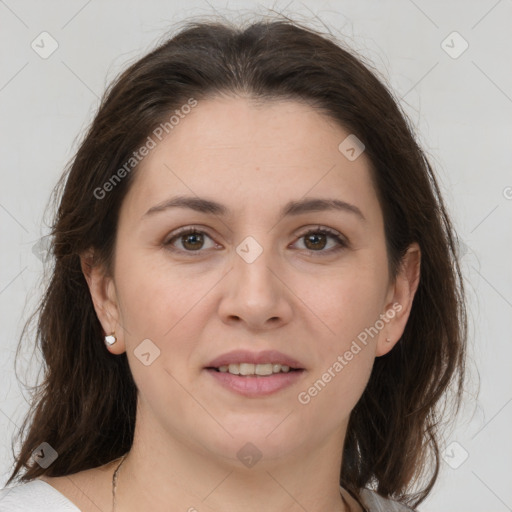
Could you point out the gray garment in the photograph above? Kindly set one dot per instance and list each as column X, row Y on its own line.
column 375, row 503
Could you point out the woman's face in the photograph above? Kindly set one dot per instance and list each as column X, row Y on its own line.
column 250, row 278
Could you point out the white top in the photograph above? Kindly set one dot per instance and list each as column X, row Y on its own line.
column 40, row 496
column 32, row 496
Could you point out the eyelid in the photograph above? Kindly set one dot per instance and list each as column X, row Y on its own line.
column 322, row 229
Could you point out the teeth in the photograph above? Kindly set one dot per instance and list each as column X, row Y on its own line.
column 234, row 369
column 254, row 369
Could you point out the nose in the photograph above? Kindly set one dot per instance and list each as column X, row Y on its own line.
column 255, row 294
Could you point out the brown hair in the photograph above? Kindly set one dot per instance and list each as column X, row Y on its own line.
column 393, row 435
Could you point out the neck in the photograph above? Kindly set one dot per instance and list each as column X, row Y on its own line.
column 159, row 472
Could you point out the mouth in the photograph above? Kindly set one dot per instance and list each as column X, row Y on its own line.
column 255, row 374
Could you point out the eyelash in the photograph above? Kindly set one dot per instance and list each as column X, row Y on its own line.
column 342, row 244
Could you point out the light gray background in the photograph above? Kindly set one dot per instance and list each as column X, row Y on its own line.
column 461, row 107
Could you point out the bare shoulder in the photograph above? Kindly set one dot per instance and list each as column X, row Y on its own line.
column 89, row 490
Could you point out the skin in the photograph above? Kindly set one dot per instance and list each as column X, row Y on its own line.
column 253, row 159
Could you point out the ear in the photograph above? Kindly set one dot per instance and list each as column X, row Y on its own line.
column 104, row 298
column 399, row 300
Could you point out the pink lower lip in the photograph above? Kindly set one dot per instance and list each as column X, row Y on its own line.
column 256, row 385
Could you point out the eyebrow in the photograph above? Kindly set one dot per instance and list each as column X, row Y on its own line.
column 203, row 205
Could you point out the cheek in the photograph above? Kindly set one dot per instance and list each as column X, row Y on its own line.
column 154, row 297
column 334, row 387
column 158, row 304
column 349, row 305
column 348, row 300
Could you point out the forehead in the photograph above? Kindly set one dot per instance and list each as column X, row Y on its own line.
column 251, row 155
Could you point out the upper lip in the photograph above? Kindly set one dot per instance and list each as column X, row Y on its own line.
column 245, row 356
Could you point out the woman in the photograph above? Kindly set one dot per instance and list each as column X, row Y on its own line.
column 256, row 302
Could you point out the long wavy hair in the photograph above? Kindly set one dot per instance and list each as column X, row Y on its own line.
column 392, row 443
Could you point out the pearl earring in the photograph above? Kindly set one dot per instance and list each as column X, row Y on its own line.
column 110, row 339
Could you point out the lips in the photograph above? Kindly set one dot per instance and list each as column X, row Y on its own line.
column 245, row 356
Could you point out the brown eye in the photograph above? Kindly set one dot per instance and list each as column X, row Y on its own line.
column 315, row 241
column 192, row 241
column 189, row 240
